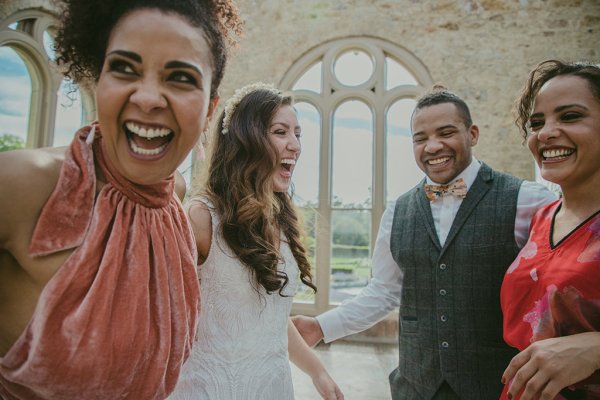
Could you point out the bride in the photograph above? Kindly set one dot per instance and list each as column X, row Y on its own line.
column 250, row 259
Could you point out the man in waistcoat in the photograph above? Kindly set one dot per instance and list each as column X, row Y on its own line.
column 441, row 253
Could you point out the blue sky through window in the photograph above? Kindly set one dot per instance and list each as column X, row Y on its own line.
column 15, row 94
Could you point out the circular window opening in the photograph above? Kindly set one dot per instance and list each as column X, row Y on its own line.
column 353, row 67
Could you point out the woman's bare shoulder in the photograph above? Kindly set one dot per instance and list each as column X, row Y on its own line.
column 27, row 178
column 199, row 215
column 31, row 167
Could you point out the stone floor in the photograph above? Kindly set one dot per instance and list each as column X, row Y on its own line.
column 360, row 369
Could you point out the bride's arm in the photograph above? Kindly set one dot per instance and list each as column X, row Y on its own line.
column 305, row 359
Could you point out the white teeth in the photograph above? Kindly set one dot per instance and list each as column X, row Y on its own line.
column 146, row 152
column 438, row 160
column 147, row 133
column 556, row 153
column 290, row 161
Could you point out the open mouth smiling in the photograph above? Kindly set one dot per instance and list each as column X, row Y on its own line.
column 147, row 141
column 437, row 161
column 556, row 154
column 287, row 163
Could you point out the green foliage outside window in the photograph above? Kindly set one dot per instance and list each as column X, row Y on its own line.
column 11, row 142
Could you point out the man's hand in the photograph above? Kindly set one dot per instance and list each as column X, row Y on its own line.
column 309, row 328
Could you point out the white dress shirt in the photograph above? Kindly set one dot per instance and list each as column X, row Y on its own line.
column 382, row 294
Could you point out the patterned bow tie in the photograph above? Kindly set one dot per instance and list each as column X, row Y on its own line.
column 457, row 188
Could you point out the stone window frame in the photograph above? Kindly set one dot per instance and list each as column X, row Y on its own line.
column 27, row 40
column 373, row 93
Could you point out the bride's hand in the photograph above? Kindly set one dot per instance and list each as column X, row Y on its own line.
column 327, row 388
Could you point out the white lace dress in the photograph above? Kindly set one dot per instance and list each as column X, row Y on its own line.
column 241, row 348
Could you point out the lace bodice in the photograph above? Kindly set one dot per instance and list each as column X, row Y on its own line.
column 241, row 347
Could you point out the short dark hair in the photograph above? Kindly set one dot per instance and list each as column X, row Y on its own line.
column 441, row 95
column 541, row 74
column 86, row 26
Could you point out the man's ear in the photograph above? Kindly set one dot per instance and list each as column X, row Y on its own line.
column 474, row 133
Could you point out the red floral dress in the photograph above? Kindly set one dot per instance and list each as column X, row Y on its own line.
column 553, row 290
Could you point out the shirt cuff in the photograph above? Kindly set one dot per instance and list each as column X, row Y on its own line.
column 331, row 325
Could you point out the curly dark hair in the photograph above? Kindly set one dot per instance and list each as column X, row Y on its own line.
column 86, row 25
column 440, row 95
column 541, row 74
column 240, row 185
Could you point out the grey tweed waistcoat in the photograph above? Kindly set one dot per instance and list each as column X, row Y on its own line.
column 450, row 316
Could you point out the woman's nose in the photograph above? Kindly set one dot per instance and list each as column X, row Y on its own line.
column 294, row 144
column 549, row 130
column 148, row 96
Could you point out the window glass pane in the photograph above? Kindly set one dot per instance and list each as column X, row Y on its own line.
column 69, row 114
column 15, row 98
column 305, row 294
column 352, row 162
column 49, row 45
column 311, row 79
column 13, row 26
column 185, row 169
column 402, row 172
column 350, row 253
column 396, row 74
column 353, row 67
column 306, row 173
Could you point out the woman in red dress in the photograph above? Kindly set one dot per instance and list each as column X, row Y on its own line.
column 551, row 293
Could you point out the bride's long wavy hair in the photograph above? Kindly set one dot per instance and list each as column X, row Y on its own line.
column 240, row 186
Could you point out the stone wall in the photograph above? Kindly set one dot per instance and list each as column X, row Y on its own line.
column 9, row 7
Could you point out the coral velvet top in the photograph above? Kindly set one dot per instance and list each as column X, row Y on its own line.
column 554, row 290
column 118, row 318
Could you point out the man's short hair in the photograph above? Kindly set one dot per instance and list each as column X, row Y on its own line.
column 441, row 95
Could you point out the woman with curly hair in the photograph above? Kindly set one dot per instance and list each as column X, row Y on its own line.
column 551, row 293
column 250, row 257
column 98, row 286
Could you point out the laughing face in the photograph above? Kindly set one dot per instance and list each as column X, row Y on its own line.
column 564, row 133
column 284, row 134
column 153, row 94
column 441, row 141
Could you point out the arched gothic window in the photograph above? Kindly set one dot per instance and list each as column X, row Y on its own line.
column 354, row 98
column 37, row 108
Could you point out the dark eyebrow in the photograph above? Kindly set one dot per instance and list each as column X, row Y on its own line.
column 559, row 109
column 441, row 128
column 280, row 123
column 297, row 127
column 127, row 54
column 171, row 64
column 181, row 64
